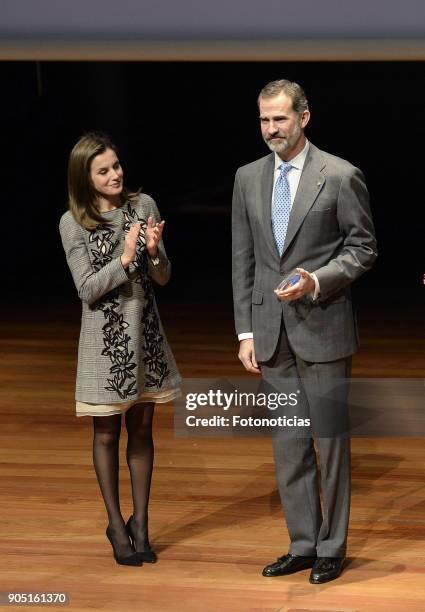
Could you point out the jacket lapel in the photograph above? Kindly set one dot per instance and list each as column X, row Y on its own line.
column 310, row 185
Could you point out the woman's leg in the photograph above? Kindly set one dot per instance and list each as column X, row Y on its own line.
column 106, row 439
column 140, row 455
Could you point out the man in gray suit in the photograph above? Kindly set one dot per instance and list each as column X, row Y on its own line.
column 301, row 208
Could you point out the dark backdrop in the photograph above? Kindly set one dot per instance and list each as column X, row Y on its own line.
column 182, row 130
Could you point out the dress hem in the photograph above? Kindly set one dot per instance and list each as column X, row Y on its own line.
column 161, row 397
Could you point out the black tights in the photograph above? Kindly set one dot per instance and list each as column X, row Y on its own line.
column 140, row 454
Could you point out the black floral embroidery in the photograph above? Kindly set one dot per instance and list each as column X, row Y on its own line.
column 131, row 217
column 115, row 339
column 105, row 246
column 156, row 367
column 116, row 348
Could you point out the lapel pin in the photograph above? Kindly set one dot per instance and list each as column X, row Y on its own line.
column 319, row 183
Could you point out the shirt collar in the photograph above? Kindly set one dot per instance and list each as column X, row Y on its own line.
column 298, row 161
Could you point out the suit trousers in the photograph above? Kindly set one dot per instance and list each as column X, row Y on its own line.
column 314, row 529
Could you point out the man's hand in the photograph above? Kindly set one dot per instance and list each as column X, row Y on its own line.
column 305, row 285
column 247, row 356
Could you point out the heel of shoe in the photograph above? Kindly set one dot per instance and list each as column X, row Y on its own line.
column 129, row 532
column 133, row 559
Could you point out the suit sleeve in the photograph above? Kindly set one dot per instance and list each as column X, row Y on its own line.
column 243, row 261
column 359, row 251
column 91, row 285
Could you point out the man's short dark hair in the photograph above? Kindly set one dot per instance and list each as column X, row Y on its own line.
column 290, row 88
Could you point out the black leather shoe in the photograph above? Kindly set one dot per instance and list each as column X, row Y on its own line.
column 289, row 564
column 326, row 568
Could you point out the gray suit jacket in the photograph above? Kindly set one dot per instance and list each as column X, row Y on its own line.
column 330, row 233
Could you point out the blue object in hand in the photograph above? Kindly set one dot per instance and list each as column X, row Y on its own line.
column 292, row 280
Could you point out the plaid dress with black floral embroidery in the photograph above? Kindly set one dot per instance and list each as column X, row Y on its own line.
column 123, row 351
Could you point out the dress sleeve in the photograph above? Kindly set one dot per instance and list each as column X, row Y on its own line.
column 160, row 272
column 91, row 285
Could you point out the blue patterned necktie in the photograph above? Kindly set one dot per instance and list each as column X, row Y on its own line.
column 281, row 206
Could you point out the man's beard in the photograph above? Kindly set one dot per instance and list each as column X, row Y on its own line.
column 278, row 147
column 285, row 143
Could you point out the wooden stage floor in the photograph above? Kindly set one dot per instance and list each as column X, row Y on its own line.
column 215, row 515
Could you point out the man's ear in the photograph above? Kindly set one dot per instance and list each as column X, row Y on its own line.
column 305, row 118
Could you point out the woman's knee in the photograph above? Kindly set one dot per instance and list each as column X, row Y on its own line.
column 107, row 430
column 106, row 438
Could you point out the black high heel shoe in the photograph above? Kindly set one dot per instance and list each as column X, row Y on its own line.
column 133, row 559
column 148, row 556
